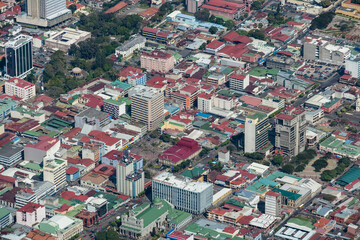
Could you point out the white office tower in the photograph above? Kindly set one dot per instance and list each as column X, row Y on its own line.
column 273, row 203
column 44, row 13
column 19, row 56
column 182, row 192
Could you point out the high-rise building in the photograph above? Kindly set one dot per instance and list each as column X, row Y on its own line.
column 54, row 171
column 256, row 132
column 290, row 128
column 273, row 203
column 130, row 178
column 182, row 192
column 147, row 106
column 352, row 66
column 19, row 56
column 44, row 13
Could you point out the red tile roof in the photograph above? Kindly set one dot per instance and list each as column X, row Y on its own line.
column 254, row 101
column 149, row 12
column 215, row 44
column 272, row 193
column 72, row 170
column 284, row 116
column 149, row 29
column 157, row 54
column 105, row 169
column 100, row 136
column 20, row 83
column 182, row 150
column 44, row 143
column 117, row 7
column 205, row 95
column 30, row 207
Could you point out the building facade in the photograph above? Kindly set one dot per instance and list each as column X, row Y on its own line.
column 157, row 61
column 20, row 88
column 273, row 204
column 30, row 214
column 256, row 132
column 239, row 82
column 148, row 107
column 5, row 218
column 19, row 56
column 352, row 66
column 54, row 171
column 130, row 177
column 45, row 13
column 290, row 128
column 183, row 193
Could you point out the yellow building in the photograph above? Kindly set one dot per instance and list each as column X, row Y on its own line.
column 349, row 9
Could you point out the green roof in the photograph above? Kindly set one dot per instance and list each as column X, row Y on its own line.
column 28, row 111
column 289, row 195
column 193, row 172
column 33, row 166
column 121, row 85
column 263, row 72
column 301, row 222
column 206, row 232
column 340, row 147
column 235, row 202
column 151, row 214
column 113, row 201
column 332, row 102
column 176, row 216
column 119, row 101
column 349, row 176
column 258, row 115
column 3, row 212
column 71, row 100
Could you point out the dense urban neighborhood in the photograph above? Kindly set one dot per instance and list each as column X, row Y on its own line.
column 179, row 120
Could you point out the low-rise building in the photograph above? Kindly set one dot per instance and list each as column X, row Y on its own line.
column 30, row 214
column 61, row 226
column 65, row 38
column 46, row 146
column 128, row 48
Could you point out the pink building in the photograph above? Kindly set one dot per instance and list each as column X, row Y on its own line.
column 30, row 214
column 225, row 9
column 20, row 88
column 46, row 146
column 157, row 61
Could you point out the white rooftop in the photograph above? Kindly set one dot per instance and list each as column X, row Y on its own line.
column 181, row 182
column 264, row 221
column 62, row 221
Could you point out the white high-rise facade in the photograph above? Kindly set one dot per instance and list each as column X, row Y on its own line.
column 273, row 203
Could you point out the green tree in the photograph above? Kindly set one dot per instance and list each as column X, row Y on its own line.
column 322, row 21
column 202, row 15
column 288, row 168
column 31, row 77
column 155, row 134
column 165, row 137
column 231, row 148
column 112, row 235
column 299, row 168
column 203, row 46
column 72, row 7
column 213, row 30
column 256, row 5
column 257, row 33
column 277, row 160
column 100, row 236
column 320, row 164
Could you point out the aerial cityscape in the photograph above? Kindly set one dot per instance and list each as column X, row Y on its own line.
column 179, row 120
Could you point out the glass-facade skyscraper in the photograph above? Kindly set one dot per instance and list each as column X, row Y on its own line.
column 19, row 56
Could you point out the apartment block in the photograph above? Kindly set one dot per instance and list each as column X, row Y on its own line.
column 30, row 214
column 54, row 171
column 273, row 203
column 20, row 88
column 256, row 132
column 290, row 128
column 147, row 106
column 239, row 81
column 157, row 61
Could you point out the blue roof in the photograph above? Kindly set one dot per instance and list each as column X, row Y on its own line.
column 245, row 193
column 185, row 16
column 268, row 182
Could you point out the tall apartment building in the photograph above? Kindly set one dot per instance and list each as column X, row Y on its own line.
column 147, row 106
column 193, row 6
column 54, row 171
column 19, row 56
column 183, row 193
column 130, row 178
column 352, row 66
column 290, row 128
column 322, row 50
column 157, row 61
column 256, row 132
column 11, row 154
column 239, row 82
column 273, row 203
column 44, row 13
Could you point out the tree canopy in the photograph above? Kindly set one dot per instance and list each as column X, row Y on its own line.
column 322, row 21
column 288, row 168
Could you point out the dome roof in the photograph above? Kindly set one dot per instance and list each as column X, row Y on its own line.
column 76, row 70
